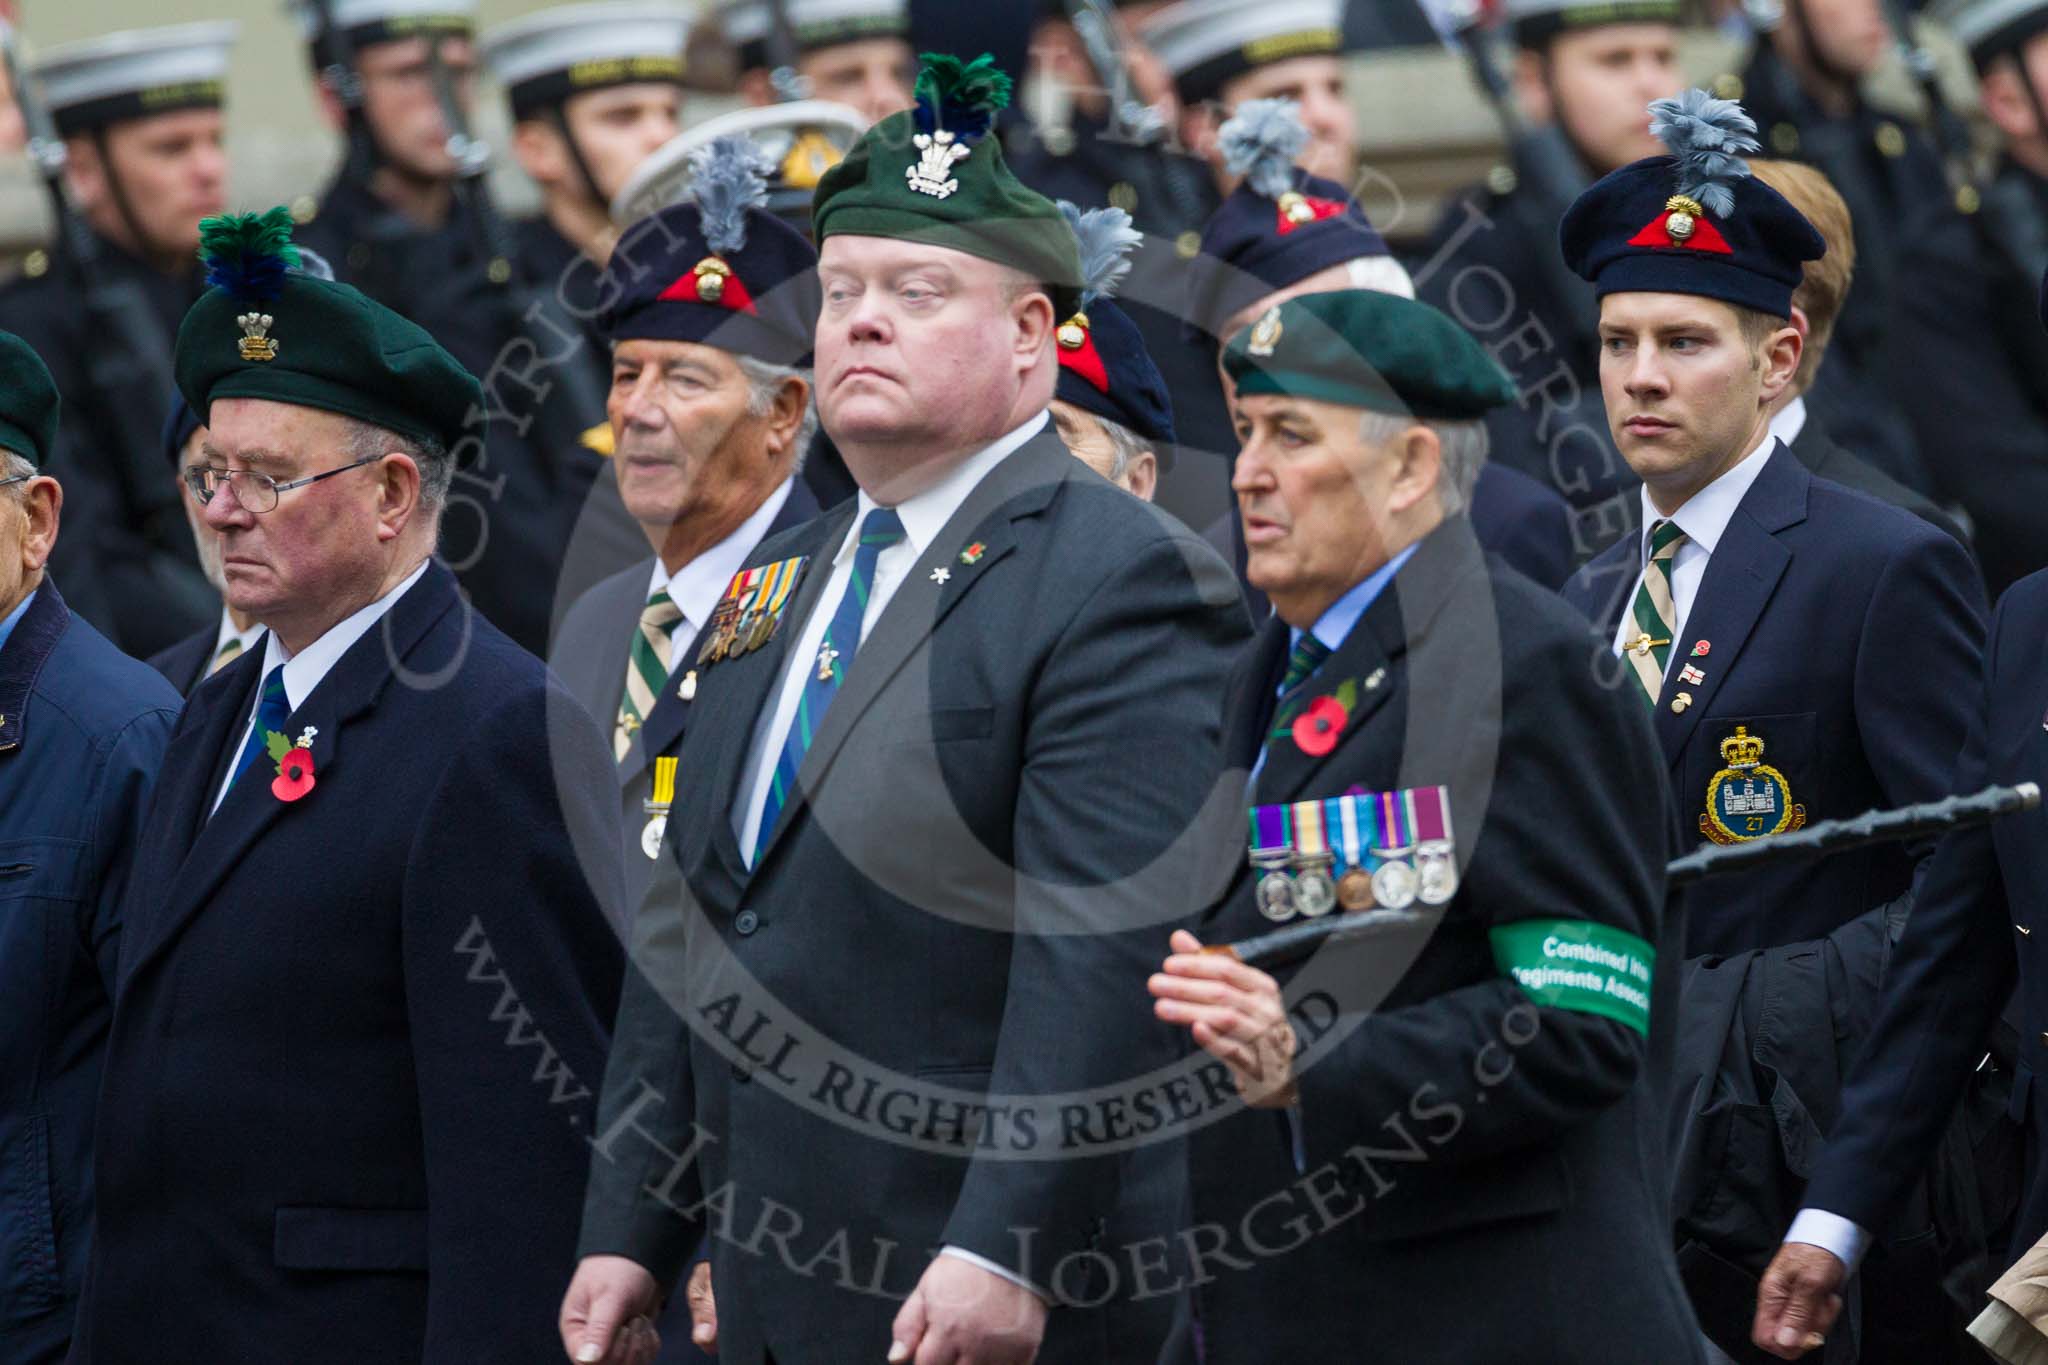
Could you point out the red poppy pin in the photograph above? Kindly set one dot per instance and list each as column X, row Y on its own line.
column 1320, row 723
column 973, row 553
column 294, row 763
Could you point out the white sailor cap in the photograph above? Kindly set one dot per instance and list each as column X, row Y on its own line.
column 1987, row 28
column 813, row 24
column 136, row 73
column 367, row 22
column 804, row 138
column 544, row 58
column 1205, row 43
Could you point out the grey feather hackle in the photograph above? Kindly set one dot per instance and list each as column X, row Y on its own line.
column 1708, row 136
column 728, row 176
column 1106, row 239
column 1260, row 143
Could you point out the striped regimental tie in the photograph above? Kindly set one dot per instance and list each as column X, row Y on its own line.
column 1656, row 612
column 230, row 651
column 646, row 668
column 878, row 532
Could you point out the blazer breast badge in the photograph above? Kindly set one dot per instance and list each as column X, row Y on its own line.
column 1749, row 798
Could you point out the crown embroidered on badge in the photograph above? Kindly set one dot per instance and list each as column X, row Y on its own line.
column 256, row 342
column 1748, row 799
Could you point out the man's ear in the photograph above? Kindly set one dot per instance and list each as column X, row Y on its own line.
column 786, row 417
column 1531, row 81
column 85, row 171
column 1781, row 361
column 1143, row 474
column 43, row 499
column 1033, row 315
column 1420, row 453
column 755, row 87
column 1801, row 323
column 2005, row 101
column 538, row 149
column 398, row 489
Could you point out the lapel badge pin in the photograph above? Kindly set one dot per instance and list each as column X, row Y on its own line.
column 973, row 553
column 941, row 574
column 687, row 689
column 1702, row 649
column 1375, row 678
column 1692, row 674
column 1680, row 702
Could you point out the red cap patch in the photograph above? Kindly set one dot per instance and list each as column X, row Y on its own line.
column 1705, row 236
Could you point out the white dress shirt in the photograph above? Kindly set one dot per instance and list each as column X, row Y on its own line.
column 697, row 587
column 1703, row 518
column 923, row 516
column 304, row 670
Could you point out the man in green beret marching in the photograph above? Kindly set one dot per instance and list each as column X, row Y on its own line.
column 1427, row 1118
column 902, row 982
column 364, row 978
column 82, row 732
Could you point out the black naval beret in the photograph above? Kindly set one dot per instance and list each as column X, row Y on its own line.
column 1367, row 349
column 1104, row 366
column 1693, row 222
column 1278, row 227
column 28, row 401
column 1535, row 22
column 267, row 329
column 720, row 269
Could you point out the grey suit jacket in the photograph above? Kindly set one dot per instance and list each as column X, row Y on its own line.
column 908, row 1025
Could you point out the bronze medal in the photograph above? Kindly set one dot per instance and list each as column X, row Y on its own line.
column 1354, row 890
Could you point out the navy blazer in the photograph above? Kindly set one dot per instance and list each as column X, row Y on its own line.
column 988, row 848
column 1847, row 635
column 184, row 663
column 589, row 655
column 82, row 730
column 1533, row 1167
column 1971, row 935
column 357, row 1034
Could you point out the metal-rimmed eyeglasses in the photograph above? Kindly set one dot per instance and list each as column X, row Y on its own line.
column 254, row 489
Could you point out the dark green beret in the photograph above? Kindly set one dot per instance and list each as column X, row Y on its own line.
column 28, row 401
column 933, row 174
column 1366, row 349
column 265, row 330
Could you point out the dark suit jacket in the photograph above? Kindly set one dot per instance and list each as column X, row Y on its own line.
column 589, row 656
column 1822, row 455
column 1544, row 1192
column 184, row 663
column 354, row 1045
column 82, row 731
column 946, row 937
column 1845, row 634
column 1972, row 933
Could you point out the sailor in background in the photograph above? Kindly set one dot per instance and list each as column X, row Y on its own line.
column 140, row 115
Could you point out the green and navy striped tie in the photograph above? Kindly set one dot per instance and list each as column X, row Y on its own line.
column 881, row 529
column 646, row 668
column 1656, row 612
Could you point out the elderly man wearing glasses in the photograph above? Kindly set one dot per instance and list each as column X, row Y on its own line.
column 364, row 980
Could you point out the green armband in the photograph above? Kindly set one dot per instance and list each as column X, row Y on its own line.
column 1575, row 964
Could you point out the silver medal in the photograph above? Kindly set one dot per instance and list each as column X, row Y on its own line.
column 1315, row 892
column 650, row 836
column 1393, row 885
column 1275, row 896
column 1436, row 868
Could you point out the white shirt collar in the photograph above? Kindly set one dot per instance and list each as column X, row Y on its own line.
column 1704, row 516
column 304, row 670
column 1790, row 421
column 927, row 513
column 698, row 585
